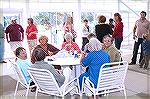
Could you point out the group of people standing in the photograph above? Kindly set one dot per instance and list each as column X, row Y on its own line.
column 15, row 34
column 102, row 29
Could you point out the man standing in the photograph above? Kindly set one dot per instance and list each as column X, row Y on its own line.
column 1, row 44
column 141, row 27
column 14, row 34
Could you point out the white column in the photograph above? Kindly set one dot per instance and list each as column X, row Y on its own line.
column 1, row 11
column 77, row 22
column 148, row 9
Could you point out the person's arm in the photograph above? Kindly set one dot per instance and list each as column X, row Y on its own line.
column 112, row 55
column 22, row 32
column 33, row 59
column 52, row 49
column 64, row 46
column 134, row 30
column 35, row 31
column 85, row 61
column 58, row 77
column 7, row 33
column 76, row 47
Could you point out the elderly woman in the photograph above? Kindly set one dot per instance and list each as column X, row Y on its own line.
column 69, row 45
column 47, row 48
column 113, row 52
column 94, row 60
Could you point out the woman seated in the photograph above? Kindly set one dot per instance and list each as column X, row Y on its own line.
column 69, row 45
column 113, row 52
column 47, row 48
column 94, row 60
column 61, row 77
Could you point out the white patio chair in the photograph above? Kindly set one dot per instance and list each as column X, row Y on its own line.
column 46, row 83
column 111, row 79
column 20, row 78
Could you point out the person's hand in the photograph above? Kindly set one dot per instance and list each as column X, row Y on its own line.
column 84, row 68
column 30, row 34
column 50, row 53
column 82, row 56
column 67, row 46
column 59, row 71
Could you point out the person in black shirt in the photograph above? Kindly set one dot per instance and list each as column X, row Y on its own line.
column 102, row 29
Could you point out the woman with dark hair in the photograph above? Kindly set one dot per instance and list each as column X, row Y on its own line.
column 47, row 48
column 31, row 32
column 118, row 30
column 102, row 29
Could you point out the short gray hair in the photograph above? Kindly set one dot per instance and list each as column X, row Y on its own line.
column 68, row 35
column 94, row 45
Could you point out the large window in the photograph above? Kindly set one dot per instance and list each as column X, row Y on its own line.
column 51, row 25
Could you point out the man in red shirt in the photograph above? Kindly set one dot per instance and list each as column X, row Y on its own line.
column 31, row 32
column 14, row 34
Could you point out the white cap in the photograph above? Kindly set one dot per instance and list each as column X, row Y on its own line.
column 13, row 18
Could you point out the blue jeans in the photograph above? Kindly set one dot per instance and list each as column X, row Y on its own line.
column 118, row 42
column 1, row 49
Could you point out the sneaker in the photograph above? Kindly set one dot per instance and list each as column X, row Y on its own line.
column 145, row 67
column 132, row 63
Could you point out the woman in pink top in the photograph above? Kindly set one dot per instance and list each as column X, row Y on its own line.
column 69, row 45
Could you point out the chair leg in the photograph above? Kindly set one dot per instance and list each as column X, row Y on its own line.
column 16, row 88
column 125, row 94
column 36, row 93
column 27, row 90
column 94, row 96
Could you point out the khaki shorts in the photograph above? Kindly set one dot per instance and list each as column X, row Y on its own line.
column 32, row 44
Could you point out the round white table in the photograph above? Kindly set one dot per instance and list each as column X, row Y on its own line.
column 67, row 61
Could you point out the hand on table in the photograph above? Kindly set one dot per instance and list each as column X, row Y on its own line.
column 50, row 53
